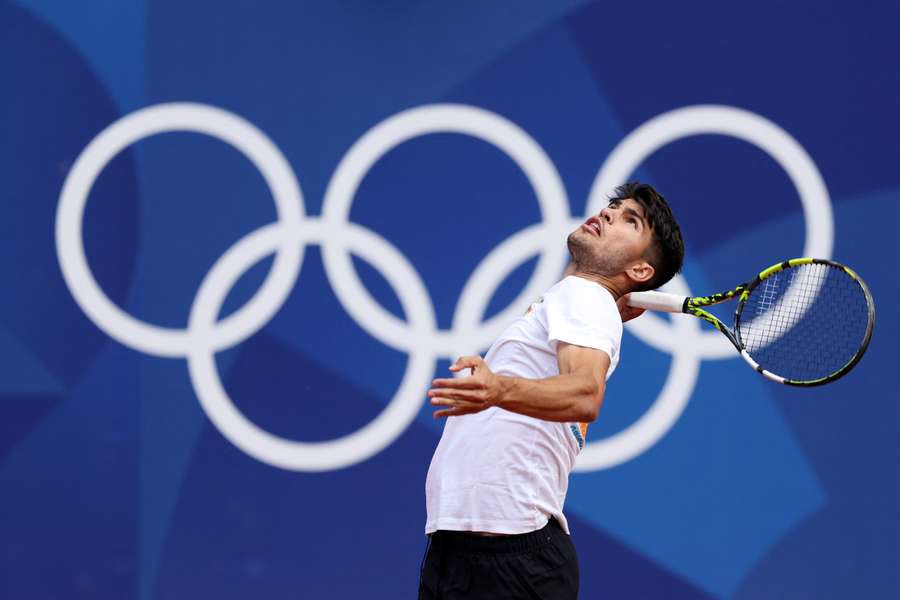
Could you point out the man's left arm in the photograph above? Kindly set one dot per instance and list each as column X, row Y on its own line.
column 574, row 395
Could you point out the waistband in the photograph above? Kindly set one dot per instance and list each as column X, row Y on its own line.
column 464, row 541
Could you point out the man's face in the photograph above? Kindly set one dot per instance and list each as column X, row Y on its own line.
column 612, row 240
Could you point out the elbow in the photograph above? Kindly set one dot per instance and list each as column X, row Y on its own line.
column 590, row 405
column 589, row 414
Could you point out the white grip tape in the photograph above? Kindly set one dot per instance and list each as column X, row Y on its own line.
column 660, row 301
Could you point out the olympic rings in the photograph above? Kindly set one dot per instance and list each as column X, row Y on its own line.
column 419, row 335
column 215, row 122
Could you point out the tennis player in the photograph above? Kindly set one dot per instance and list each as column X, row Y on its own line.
column 498, row 479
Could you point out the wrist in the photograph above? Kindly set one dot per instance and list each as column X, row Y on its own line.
column 505, row 386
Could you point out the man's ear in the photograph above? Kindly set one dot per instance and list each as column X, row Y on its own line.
column 640, row 272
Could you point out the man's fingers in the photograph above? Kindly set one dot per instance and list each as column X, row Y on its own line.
column 461, row 395
column 453, row 412
column 449, row 398
column 633, row 313
column 458, row 383
column 626, row 311
column 457, row 404
column 466, row 362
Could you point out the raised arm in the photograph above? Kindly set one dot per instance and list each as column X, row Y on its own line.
column 574, row 395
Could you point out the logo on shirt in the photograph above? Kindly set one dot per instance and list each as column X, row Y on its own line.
column 531, row 306
column 579, row 430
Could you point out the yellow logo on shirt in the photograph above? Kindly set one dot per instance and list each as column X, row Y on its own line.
column 531, row 306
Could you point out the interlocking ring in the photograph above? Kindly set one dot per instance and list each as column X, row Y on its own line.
column 418, row 336
column 199, row 118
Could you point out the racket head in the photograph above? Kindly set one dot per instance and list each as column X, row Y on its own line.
column 806, row 321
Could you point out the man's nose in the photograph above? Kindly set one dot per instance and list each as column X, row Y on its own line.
column 607, row 215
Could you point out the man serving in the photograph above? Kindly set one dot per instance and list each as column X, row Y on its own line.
column 498, row 479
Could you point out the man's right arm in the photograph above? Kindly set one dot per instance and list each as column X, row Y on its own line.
column 574, row 395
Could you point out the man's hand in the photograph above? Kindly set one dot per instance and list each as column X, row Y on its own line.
column 628, row 312
column 466, row 395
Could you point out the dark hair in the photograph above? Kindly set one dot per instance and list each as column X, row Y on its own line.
column 666, row 250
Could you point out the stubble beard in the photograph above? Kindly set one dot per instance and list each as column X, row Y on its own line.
column 587, row 259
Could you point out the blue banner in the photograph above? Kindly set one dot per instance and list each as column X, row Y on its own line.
column 241, row 239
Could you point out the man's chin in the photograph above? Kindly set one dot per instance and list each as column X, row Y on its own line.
column 579, row 236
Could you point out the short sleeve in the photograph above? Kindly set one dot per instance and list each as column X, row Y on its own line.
column 583, row 313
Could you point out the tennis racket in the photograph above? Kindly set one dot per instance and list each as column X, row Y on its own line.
column 804, row 322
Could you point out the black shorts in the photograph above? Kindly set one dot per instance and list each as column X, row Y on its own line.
column 533, row 566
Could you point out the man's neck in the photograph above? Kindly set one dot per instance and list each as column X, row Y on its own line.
column 614, row 288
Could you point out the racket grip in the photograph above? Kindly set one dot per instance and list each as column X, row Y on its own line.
column 659, row 301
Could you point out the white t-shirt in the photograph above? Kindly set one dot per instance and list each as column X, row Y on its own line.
column 503, row 472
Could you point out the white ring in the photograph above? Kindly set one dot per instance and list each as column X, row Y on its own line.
column 490, row 273
column 721, row 120
column 199, row 118
column 243, row 433
column 641, row 435
column 437, row 118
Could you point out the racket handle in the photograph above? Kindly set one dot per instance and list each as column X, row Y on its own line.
column 659, row 301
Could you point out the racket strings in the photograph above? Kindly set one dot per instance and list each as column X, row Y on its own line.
column 806, row 322
column 767, row 300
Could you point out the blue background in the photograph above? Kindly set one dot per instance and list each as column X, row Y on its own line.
column 113, row 483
